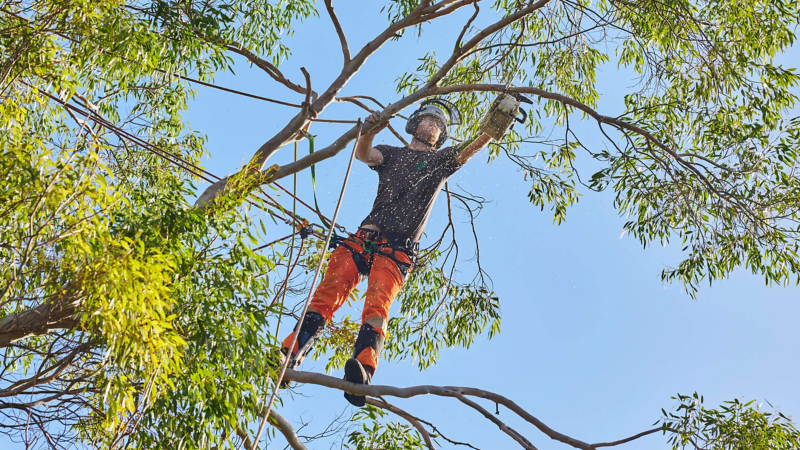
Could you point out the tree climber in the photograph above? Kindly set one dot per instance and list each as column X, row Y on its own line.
column 385, row 246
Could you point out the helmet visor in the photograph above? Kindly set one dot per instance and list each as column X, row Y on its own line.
column 437, row 114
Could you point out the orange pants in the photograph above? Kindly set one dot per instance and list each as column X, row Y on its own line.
column 342, row 276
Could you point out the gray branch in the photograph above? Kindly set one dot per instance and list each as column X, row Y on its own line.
column 379, row 391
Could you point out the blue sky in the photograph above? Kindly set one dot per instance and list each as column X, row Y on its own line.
column 592, row 343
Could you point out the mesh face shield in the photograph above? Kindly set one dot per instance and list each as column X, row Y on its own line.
column 442, row 110
column 436, row 113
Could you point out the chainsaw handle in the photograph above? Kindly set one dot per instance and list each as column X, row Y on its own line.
column 522, row 99
column 524, row 116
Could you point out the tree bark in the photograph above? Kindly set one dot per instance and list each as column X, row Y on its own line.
column 53, row 315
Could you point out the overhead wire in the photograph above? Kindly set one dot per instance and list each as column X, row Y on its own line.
column 232, row 91
column 164, row 154
column 182, row 77
column 202, row 83
column 176, row 160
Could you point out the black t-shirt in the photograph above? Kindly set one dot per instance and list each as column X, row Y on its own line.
column 409, row 181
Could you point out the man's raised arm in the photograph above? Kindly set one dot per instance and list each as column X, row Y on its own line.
column 364, row 151
column 498, row 120
column 471, row 147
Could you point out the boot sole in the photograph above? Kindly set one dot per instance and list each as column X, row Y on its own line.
column 281, row 360
column 355, row 373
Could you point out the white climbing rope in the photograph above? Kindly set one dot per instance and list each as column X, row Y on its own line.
column 310, row 293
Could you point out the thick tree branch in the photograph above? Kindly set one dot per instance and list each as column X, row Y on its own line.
column 334, row 148
column 282, row 425
column 341, row 142
column 286, row 429
column 289, row 133
column 246, row 441
column 430, row 89
column 349, row 70
column 53, row 315
column 442, row 391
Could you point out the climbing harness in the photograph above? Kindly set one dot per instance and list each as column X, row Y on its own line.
column 373, row 242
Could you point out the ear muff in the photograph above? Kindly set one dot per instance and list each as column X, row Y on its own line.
column 413, row 123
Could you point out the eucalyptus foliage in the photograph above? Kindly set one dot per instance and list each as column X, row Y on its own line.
column 734, row 425
column 375, row 434
column 128, row 317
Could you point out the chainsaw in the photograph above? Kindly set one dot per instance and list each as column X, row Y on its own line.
column 503, row 114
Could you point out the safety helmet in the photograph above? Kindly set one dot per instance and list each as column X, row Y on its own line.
column 444, row 111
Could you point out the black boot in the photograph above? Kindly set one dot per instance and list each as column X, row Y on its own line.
column 313, row 324
column 356, row 372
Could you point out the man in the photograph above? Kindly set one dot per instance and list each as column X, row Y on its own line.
column 384, row 248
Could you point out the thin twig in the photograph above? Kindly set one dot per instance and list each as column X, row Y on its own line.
column 339, row 31
column 411, row 419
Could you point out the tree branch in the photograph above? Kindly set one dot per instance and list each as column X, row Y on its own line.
column 354, row 101
column 349, row 70
column 436, row 431
column 503, row 427
column 336, row 146
column 478, row 38
column 307, row 107
column 259, row 62
column 51, row 374
column 430, row 89
column 266, row 66
column 466, row 27
column 286, row 429
column 282, row 425
column 341, row 142
column 246, row 441
column 339, row 31
column 632, row 438
column 411, row 419
column 566, row 101
column 288, row 134
column 442, row 391
column 52, row 315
